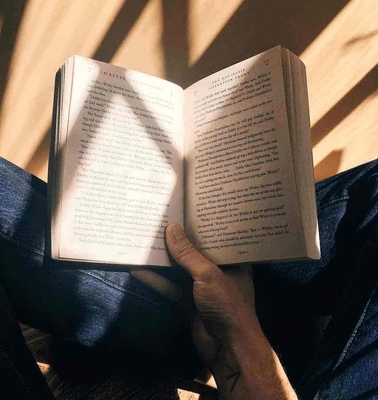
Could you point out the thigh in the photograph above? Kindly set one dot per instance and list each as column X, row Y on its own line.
column 290, row 296
column 346, row 365
column 102, row 309
column 347, row 207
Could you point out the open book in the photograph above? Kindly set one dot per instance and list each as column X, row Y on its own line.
column 229, row 158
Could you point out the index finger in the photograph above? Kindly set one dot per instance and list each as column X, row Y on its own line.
column 186, row 255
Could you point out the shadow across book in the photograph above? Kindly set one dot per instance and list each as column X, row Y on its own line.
column 229, row 158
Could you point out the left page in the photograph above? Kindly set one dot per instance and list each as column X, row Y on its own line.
column 121, row 177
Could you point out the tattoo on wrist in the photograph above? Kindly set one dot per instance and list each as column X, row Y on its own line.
column 233, row 378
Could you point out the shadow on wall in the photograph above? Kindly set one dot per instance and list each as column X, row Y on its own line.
column 364, row 88
column 11, row 13
column 254, row 27
column 329, row 165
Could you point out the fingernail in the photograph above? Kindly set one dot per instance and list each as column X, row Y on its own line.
column 175, row 231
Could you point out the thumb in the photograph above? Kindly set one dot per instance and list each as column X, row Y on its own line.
column 186, row 255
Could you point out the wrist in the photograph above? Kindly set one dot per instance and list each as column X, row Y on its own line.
column 247, row 367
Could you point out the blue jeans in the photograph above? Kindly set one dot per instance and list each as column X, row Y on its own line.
column 109, row 315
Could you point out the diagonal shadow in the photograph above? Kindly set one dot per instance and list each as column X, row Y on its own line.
column 361, row 38
column 329, row 165
column 259, row 25
column 40, row 51
column 11, row 12
column 175, row 40
column 363, row 89
column 119, row 29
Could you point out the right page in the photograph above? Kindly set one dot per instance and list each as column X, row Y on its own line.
column 241, row 191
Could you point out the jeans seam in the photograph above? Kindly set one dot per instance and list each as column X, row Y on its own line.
column 15, row 369
column 350, row 341
column 21, row 177
column 120, row 288
column 21, row 244
column 105, row 281
column 320, row 207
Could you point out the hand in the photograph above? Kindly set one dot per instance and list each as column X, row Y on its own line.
column 226, row 330
column 224, row 298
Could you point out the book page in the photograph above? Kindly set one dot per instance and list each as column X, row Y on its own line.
column 122, row 177
column 241, row 194
column 62, row 97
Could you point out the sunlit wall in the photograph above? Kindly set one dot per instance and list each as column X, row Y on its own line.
column 184, row 41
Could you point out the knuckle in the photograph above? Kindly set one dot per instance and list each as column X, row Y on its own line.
column 185, row 250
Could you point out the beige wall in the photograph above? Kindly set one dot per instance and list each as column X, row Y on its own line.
column 184, row 41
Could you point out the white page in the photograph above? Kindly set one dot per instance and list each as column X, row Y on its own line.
column 122, row 177
column 241, row 196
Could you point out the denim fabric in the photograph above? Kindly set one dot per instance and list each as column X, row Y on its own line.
column 342, row 284
column 125, row 321
column 116, row 316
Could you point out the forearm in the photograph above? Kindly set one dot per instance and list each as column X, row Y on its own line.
column 226, row 331
column 248, row 368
